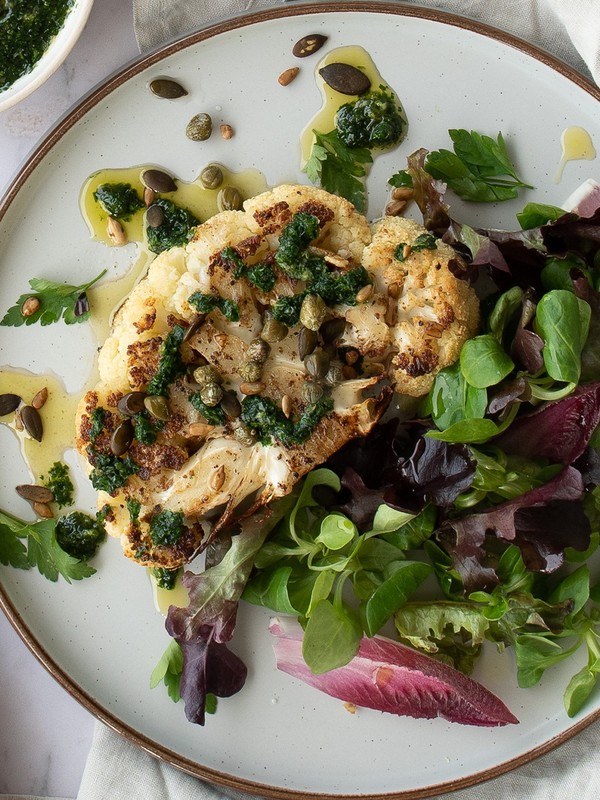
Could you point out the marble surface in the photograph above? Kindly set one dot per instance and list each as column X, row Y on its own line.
column 44, row 733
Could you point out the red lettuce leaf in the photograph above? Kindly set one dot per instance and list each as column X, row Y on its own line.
column 204, row 626
column 388, row 676
column 541, row 522
column 559, row 430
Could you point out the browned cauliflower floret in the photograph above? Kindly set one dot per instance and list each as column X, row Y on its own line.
column 205, row 412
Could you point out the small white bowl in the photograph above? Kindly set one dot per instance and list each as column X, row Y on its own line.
column 58, row 49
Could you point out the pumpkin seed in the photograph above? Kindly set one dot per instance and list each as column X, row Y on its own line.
column 211, row 394
column 333, row 329
column 258, row 350
column 232, row 408
column 288, row 75
column 273, row 330
column 217, row 479
column 167, row 89
column 30, row 306
column 8, row 403
column 199, row 128
column 157, row 406
column 308, row 45
column 158, row 180
column 43, row 510
column 250, row 371
column 201, row 429
column 345, row 78
column 226, row 131
column 82, row 305
column 252, row 388
column 122, row 437
column 116, row 232
column 131, row 403
column 35, row 494
column 317, row 363
column 155, row 216
column 307, row 341
column 229, row 199
column 32, row 422
column 313, row 312
column 211, row 177
column 40, row 398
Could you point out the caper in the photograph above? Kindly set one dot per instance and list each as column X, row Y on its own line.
column 311, row 392
column 211, row 176
column 250, row 371
column 333, row 329
column 155, row 216
column 307, row 341
column 207, row 374
column 334, row 375
column 317, row 363
column 122, row 437
column 131, row 403
column 258, row 350
column 274, row 331
column 245, row 435
column 229, row 199
column 211, row 394
column 232, row 408
column 313, row 312
column 167, row 89
column 157, row 406
column 199, row 128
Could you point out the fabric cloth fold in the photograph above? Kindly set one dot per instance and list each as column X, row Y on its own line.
column 119, row 770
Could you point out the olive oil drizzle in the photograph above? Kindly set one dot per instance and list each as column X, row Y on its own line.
column 324, row 119
column 576, row 145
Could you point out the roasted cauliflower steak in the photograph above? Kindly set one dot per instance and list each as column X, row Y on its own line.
column 246, row 358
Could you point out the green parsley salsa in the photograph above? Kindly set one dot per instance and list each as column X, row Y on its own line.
column 26, row 29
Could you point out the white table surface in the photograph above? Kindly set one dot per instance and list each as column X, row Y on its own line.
column 44, row 733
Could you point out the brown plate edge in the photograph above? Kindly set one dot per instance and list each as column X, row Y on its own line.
column 71, row 117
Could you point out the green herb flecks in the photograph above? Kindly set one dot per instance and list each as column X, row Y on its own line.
column 373, row 121
column 119, row 200
column 167, row 527
column 110, row 473
column 175, row 231
column 265, row 417
column 170, row 366
column 205, row 303
column 60, row 484
column 56, row 301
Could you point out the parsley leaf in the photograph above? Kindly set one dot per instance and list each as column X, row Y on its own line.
column 57, row 300
column 42, row 550
column 479, row 169
column 338, row 168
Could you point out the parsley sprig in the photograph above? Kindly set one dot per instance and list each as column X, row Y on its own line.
column 25, row 545
column 338, row 168
column 479, row 169
column 57, row 300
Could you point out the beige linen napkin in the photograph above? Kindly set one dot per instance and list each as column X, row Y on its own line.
column 118, row 770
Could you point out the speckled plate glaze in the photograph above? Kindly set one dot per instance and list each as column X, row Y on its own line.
column 102, row 637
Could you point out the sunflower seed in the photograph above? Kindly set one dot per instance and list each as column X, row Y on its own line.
column 217, row 479
column 40, row 398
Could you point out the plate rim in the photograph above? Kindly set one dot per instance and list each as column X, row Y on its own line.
column 73, row 115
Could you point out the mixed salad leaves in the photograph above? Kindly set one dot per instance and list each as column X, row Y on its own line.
column 471, row 519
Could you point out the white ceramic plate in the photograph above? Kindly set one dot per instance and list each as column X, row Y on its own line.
column 101, row 637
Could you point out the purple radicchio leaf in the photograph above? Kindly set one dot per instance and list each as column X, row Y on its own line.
column 204, row 626
column 429, row 193
column 438, row 471
column 559, row 430
column 590, row 355
column 527, row 346
column 389, row 676
column 541, row 522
